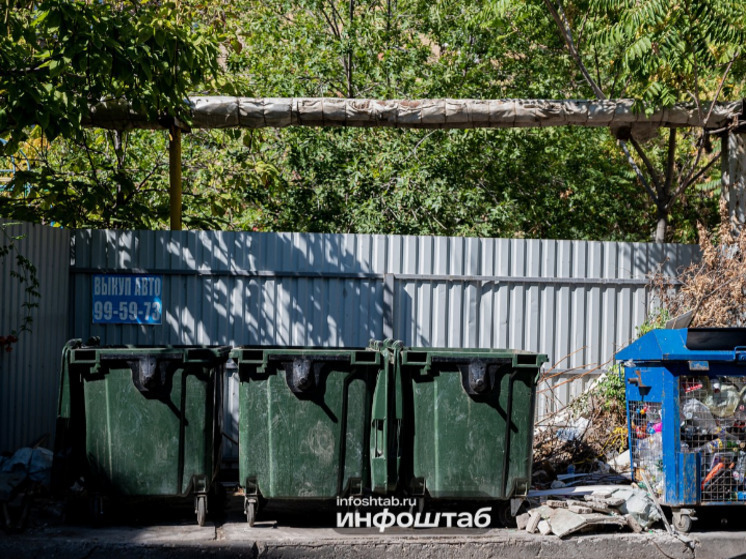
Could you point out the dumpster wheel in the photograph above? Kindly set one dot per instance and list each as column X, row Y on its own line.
column 506, row 513
column 250, row 508
column 97, row 509
column 683, row 520
column 200, row 507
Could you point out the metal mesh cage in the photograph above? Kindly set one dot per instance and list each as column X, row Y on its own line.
column 647, row 447
column 713, row 423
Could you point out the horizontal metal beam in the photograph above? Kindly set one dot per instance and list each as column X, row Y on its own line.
column 436, row 278
column 243, row 112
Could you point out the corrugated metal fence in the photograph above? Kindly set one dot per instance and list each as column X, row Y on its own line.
column 574, row 300
column 577, row 301
column 29, row 373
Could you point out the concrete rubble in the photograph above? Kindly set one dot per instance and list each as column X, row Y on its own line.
column 624, row 507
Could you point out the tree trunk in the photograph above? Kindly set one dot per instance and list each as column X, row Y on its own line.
column 661, row 227
column 733, row 187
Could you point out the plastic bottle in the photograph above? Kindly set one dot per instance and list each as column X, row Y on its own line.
column 716, row 445
column 698, row 415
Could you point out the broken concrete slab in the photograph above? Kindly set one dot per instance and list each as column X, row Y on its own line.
column 545, row 512
column 642, row 508
column 633, row 524
column 564, row 522
column 597, row 506
column 544, row 528
column 533, row 522
column 605, row 520
column 585, row 522
column 556, row 504
column 624, row 492
column 578, row 509
column 522, row 521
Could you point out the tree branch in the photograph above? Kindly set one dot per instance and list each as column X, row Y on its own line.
column 649, row 166
column 558, row 15
column 688, row 175
column 638, row 172
column 332, row 24
column 561, row 20
column 670, row 161
column 719, row 89
column 683, row 185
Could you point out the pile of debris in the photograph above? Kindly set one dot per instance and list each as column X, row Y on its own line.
column 584, row 442
column 623, row 507
column 23, row 475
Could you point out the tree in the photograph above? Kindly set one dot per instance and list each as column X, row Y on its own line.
column 490, row 183
column 659, row 53
column 58, row 57
column 540, row 182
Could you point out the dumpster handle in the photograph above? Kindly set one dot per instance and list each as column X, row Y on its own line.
column 637, row 381
column 739, row 353
column 475, row 381
column 182, row 435
column 343, row 429
column 508, row 419
column 379, row 426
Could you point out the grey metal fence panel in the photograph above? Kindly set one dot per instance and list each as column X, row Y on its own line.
column 29, row 374
column 229, row 288
column 577, row 301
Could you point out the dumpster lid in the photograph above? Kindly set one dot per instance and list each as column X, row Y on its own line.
column 686, row 344
column 716, row 338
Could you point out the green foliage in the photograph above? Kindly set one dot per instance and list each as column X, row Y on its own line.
column 24, row 272
column 611, row 389
column 453, row 182
column 657, row 318
column 670, row 52
column 60, row 56
column 657, row 53
column 554, row 183
column 529, row 183
column 109, row 180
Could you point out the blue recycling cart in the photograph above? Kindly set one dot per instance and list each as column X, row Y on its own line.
column 686, row 416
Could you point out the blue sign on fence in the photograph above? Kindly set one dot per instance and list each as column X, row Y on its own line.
column 127, row 299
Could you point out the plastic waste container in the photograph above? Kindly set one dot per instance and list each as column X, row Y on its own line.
column 142, row 421
column 308, row 426
column 686, row 414
column 467, row 423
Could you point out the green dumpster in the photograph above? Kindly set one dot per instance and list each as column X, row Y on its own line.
column 142, row 421
column 467, row 422
column 308, row 426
